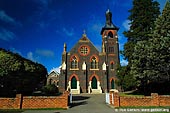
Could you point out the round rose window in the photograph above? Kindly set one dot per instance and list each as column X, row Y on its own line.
column 84, row 50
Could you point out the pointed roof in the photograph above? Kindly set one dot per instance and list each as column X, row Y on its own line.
column 84, row 37
column 109, row 24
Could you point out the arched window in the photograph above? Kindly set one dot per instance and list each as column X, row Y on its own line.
column 112, row 65
column 111, row 49
column 94, row 83
column 74, row 62
column 73, row 83
column 110, row 34
column 94, row 63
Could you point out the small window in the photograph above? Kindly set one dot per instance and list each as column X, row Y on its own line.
column 112, row 65
column 111, row 49
column 110, row 34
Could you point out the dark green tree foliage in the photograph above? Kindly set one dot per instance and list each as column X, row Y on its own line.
column 50, row 89
column 125, row 81
column 19, row 75
column 151, row 63
column 159, row 54
column 142, row 17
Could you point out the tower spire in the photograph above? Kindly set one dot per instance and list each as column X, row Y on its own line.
column 65, row 48
column 108, row 18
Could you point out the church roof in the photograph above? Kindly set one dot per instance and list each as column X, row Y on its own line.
column 84, row 38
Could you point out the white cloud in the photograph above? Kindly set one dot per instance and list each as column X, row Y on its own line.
column 6, row 18
column 6, row 35
column 14, row 50
column 56, row 69
column 69, row 32
column 126, row 24
column 30, row 56
column 124, row 62
column 45, row 53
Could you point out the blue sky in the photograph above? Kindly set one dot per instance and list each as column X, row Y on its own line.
column 37, row 29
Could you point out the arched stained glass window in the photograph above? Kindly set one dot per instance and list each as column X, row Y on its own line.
column 74, row 62
column 94, row 63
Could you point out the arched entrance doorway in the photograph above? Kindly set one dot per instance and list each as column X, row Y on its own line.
column 73, row 83
column 94, row 83
column 112, row 84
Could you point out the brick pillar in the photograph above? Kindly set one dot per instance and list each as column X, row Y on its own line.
column 116, row 99
column 155, row 99
column 111, row 97
column 18, row 101
column 66, row 99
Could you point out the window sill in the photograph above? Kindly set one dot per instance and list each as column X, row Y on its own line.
column 94, row 69
column 74, row 69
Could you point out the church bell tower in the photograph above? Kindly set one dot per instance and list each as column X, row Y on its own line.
column 110, row 48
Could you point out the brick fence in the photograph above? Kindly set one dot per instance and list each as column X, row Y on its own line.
column 153, row 100
column 35, row 102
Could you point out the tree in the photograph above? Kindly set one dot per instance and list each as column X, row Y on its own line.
column 151, row 63
column 160, row 45
column 142, row 17
column 125, row 81
column 19, row 75
column 50, row 89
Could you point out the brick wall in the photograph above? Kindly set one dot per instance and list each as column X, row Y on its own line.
column 164, row 100
column 33, row 102
column 10, row 103
column 153, row 100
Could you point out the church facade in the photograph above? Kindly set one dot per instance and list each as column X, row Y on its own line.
column 88, row 70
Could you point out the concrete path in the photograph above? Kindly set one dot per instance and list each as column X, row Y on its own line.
column 83, row 103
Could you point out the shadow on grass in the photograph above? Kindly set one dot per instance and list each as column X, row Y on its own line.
column 11, row 111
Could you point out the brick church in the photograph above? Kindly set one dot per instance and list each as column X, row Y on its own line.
column 88, row 70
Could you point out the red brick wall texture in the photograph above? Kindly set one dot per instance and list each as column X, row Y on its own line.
column 35, row 102
column 153, row 100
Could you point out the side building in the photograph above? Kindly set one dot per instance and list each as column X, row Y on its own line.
column 85, row 69
column 53, row 78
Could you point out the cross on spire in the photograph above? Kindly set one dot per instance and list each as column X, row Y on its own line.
column 84, row 33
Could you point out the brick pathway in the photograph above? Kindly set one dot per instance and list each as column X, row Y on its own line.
column 84, row 103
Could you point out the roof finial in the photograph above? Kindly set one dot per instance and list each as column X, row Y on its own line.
column 108, row 10
column 65, row 48
column 84, row 33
